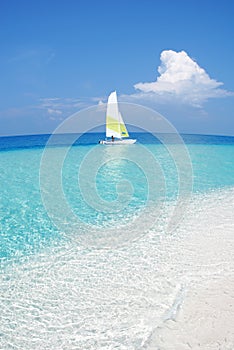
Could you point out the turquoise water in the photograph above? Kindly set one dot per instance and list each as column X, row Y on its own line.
column 25, row 224
column 56, row 291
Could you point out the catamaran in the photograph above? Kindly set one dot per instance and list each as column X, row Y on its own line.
column 116, row 131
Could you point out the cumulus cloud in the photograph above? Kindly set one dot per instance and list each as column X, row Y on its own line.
column 182, row 79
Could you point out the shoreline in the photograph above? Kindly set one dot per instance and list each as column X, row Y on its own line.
column 162, row 292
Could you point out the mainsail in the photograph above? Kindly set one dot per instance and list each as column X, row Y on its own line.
column 116, row 130
column 114, row 122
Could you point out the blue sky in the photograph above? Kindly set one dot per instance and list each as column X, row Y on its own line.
column 173, row 56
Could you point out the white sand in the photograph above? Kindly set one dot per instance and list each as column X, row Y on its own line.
column 205, row 320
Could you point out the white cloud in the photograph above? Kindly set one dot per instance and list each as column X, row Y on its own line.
column 58, row 106
column 181, row 79
column 54, row 111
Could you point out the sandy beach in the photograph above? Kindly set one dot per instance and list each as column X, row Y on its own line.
column 204, row 319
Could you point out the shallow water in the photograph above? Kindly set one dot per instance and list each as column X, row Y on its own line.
column 58, row 290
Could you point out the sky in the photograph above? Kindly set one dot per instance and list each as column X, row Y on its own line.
column 58, row 57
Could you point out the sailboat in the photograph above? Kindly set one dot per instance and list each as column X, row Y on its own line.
column 116, row 131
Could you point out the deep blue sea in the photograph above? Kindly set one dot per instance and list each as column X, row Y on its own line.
column 83, row 228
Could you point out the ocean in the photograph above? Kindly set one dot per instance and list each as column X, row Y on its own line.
column 100, row 244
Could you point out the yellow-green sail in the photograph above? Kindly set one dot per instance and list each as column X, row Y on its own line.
column 114, row 122
column 123, row 129
column 115, row 128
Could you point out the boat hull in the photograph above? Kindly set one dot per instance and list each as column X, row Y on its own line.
column 117, row 142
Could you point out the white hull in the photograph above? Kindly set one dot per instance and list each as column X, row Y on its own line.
column 117, row 142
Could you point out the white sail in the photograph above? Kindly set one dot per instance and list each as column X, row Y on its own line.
column 115, row 127
column 112, row 117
